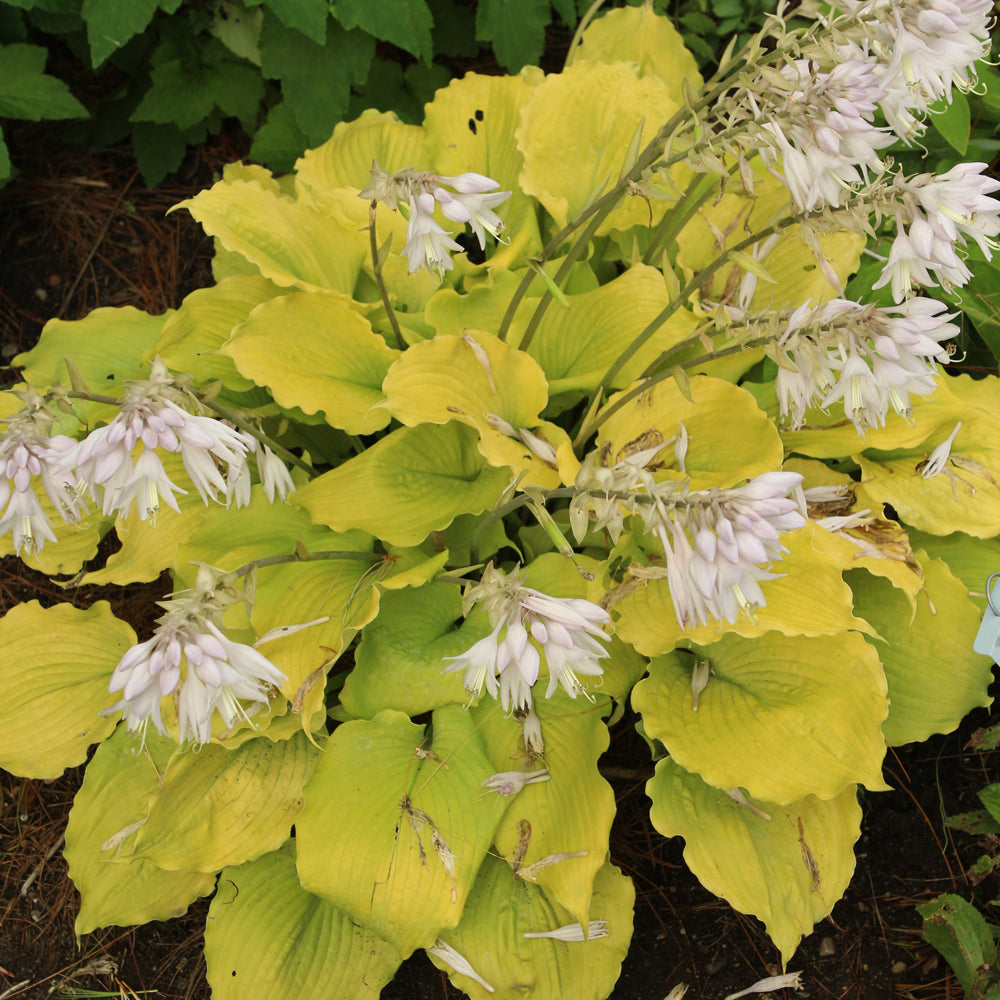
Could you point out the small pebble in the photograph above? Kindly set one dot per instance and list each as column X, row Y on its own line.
column 41, row 294
column 826, row 947
column 898, row 967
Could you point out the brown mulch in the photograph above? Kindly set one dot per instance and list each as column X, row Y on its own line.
column 79, row 231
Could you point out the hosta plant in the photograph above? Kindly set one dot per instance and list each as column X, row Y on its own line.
column 434, row 516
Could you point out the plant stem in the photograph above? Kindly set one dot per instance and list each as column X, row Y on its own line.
column 377, row 262
column 292, row 557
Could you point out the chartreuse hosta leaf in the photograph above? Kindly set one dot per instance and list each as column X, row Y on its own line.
column 345, row 159
column 576, row 345
column 394, row 830
column 502, row 909
column 465, row 378
column 289, row 241
column 191, row 337
column 639, row 35
column 786, row 864
column 473, row 378
column 401, row 657
column 781, row 716
column 267, row 936
column 574, row 132
column 56, row 666
column 222, row 807
column 972, row 560
column 719, row 452
column 470, row 125
column 123, row 334
column 935, row 678
column 963, row 497
column 809, row 598
column 314, row 351
column 109, row 808
column 570, row 814
column 893, row 556
column 411, row 482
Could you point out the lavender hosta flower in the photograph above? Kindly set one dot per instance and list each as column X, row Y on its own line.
column 29, row 456
column 935, row 218
column 191, row 658
column 526, row 625
column 150, row 419
column 509, row 783
column 868, row 357
column 719, row 544
column 573, row 932
column 427, row 243
column 472, row 202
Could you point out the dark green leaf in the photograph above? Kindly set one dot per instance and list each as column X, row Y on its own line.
column 975, row 823
column 386, row 91
column 406, row 23
column 5, row 167
column 170, row 6
column 307, row 16
column 454, row 29
column 959, row 931
column 12, row 26
column 515, row 28
column 158, row 150
column 422, row 80
column 315, row 79
column 953, row 121
column 279, row 142
column 984, row 739
column 111, row 23
column 184, row 98
column 25, row 90
column 980, row 301
column 990, row 797
column 566, row 9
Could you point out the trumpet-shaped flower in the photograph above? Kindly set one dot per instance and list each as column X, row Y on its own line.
column 190, row 657
column 528, row 624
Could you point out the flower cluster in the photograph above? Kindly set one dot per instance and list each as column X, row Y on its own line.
column 525, row 625
column 117, row 465
column 191, row 658
column 29, row 454
column 717, row 544
column 470, row 201
column 866, row 357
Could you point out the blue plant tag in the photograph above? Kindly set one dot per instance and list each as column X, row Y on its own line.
column 988, row 638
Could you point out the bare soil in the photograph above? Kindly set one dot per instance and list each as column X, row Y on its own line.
column 79, row 231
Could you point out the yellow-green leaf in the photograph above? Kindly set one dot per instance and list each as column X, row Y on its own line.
column 222, row 807
column 57, row 663
column 640, row 35
column 809, row 598
column 963, row 497
column 267, row 936
column 106, row 347
column 972, row 560
column 289, row 241
column 575, row 128
column 451, row 147
column 935, row 677
column 345, row 159
column 394, row 838
column 109, row 808
column 192, row 336
column 465, row 378
column 501, row 910
column 568, row 814
column 414, row 481
column 781, row 716
column 787, row 869
column 316, row 352
column 576, row 346
column 719, row 452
